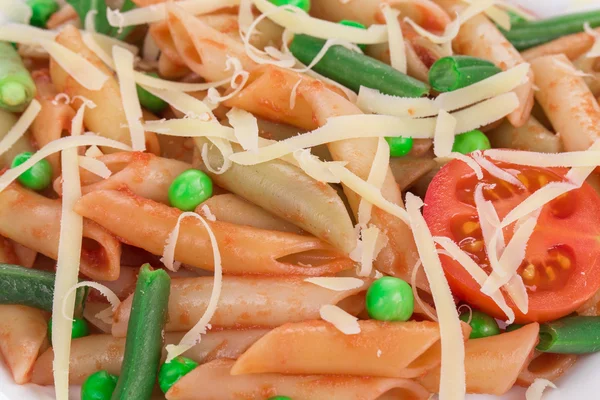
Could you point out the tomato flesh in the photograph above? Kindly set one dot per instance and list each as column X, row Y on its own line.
column 561, row 268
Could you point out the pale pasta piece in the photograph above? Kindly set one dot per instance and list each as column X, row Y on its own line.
column 374, row 351
column 108, row 117
column 34, row 221
column 408, row 170
column 572, row 46
column 590, row 69
column 305, row 387
column 246, row 302
column 567, row 101
column 66, row 14
column 171, row 69
column 23, row 332
column 163, row 39
column 493, row 363
column 105, row 352
column 25, row 255
column 235, row 210
column 7, row 120
column 532, row 136
column 7, row 252
column 546, row 366
column 244, row 250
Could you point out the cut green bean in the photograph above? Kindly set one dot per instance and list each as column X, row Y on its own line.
column 570, row 335
column 32, row 287
column 16, row 86
column 144, row 342
column 353, row 70
column 41, row 10
column 456, row 72
column 525, row 35
column 148, row 100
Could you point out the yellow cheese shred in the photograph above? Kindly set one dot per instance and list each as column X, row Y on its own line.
column 443, row 139
column 245, row 128
column 536, row 389
column 21, row 126
column 395, row 38
column 344, row 322
column 337, row 283
column 94, row 166
column 377, row 174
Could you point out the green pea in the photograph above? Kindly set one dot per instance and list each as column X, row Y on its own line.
column 148, row 100
column 471, row 141
column 38, row 177
column 482, row 325
column 279, row 398
column 190, row 189
column 400, row 146
column 78, row 329
column 99, row 386
column 355, row 24
column 302, row 4
column 390, row 299
column 174, row 370
column 41, row 10
column 513, row 327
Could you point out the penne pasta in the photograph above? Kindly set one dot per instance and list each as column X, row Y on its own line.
column 25, row 255
column 7, row 252
column 407, row 170
column 493, row 363
column 374, row 351
column 235, row 210
column 7, row 120
column 532, row 136
column 108, row 117
column 34, row 221
column 169, row 68
column 572, row 46
column 567, row 101
column 244, row 250
column 305, row 387
column 162, row 36
column 546, row 366
column 247, row 302
column 590, row 67
column 23, row 332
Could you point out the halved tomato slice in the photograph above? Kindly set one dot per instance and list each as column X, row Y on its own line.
column 561, row 269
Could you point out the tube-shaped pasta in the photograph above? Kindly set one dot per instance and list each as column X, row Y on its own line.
column 287, row 192
column 408, row 170
column 374, row 351
column 54, row 118
column 246, row 302
column 399, row 256
column 163, row 39
column 204, row 49
column 572, row 46
column 306, row 387
column 25, row 255
column 171, row 69
column 144, row 174
column 532, row 136
column 108, row 117
column 244, row 250
column 591, row 68
column 546, row 366
column 235, row 210
column 493, row 363
column 7, row 252
column 34, row 221
column 7, row 120
column 567, row 101
column 105, row 352
column 23, row 332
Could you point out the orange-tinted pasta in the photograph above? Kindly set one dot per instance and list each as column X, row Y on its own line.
column 7, row 120
column 532, row 136
column 572, row 46
column 546, row 366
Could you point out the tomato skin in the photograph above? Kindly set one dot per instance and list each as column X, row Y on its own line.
column 580, row 231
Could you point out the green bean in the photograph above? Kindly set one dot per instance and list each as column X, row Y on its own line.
column 32, row 287
column 41, row 10
column 354, row 70
column 570, row 335
column 144, row 341
column 82, row 7
column 455, row 72
column 16, row 86
column 148, row 100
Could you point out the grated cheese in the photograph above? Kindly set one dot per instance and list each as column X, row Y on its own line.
column 450, row 32
column 395, row 38
column 587, row 158
column 94, row 166
column 213, row 98
column 569, row 68
column 452, row 371
column 207, row 213
column 489, row 222
column 339, row 284
column 112, row 298
column 536, row 389
column 20, row 127
column 226, row 152
column 372, row 101
column 83, row 71
column 293, row 94
column 193, row 337
column 315, row 168
column 131, row 103
column 93, row 151
column 515, row 9
column 595, row 50
column 157, row 83
column 344, row 322
column 499, row 16
column 190, row 127
column 475, row 8
column 150, row 50
column 443, row 139
column 377, row 174
column 495, row 170
column 470, row 162
column 16, row 11
column 245, row 128
column 25, row 34
column 369, row 238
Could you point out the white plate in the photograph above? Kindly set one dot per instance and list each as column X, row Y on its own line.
column 579, row 383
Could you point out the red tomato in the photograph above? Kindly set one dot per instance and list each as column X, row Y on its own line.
column 561, row 269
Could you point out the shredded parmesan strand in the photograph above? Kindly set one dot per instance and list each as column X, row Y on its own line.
column 450, row 32
column 93, row 151
column 587, row 158
column 226, row 152
column 536, row 389
column 515, row 9
column 395, row 38
column 16, row 11
column 20, row 127
column 293, row 94
column 94, row 166
column 372, row 101
column 338, row 284
column 595, row 50
column 214, row 98
column 570, row 68
column 315, row 168
column 495, row 170
column 443, row 139
column 475, row 8
column 489, row 221
column 112, row 298
column 500, row 17
column 207, row 213
column 344, row 322
column 25, row 34
column 369, row 238
column 245, row 128
column 158, row 83
column 190, row 127
column 377, row 174
column 193, row 337
column 470, row 162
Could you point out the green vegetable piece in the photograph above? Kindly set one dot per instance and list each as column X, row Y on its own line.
column 174, row 370
column 41, row 10
column 354, row 70
column 482, row 325
column 514, row 327
column 455, row 72
column 144, row 342
column 82, row 7
column 38, row 177
column 302, row 4
column 99, row 386
column 279, row 398
column 570, row 335
column 390, row 299
column 16, row 86
column 79, row 328
column 355, row 24
column 32, row 288
column 515, row 19
column 400, row 146
column 148, row 100
column 190, row 189
column 471, row 141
